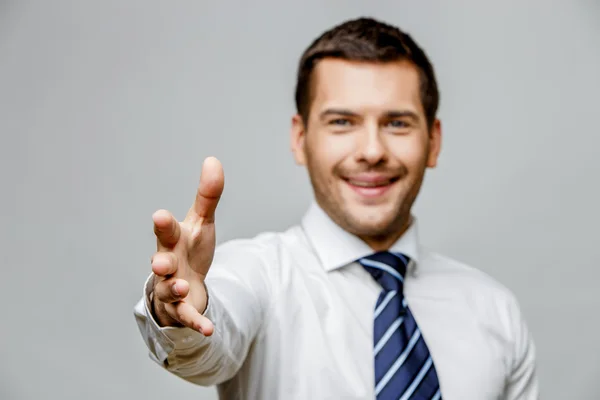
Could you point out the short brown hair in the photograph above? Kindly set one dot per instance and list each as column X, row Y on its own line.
column 369, row 40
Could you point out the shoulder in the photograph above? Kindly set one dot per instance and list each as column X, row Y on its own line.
column 462, row 276
column 495, row 306
column 494, row 309
column 266, row 248
column 262, row 261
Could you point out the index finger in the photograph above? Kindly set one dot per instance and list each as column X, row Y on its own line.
column 209, row 190
column 190, row 317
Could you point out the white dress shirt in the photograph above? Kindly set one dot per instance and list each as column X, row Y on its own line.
column 293, row 315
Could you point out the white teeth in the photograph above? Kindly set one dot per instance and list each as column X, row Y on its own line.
column 369, row 184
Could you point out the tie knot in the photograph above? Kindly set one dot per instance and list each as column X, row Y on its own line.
column 387, row 268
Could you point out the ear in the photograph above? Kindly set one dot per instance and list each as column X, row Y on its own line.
column 435, row 143
column 297, row 139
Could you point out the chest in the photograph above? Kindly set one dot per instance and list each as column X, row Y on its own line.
column 322, row 331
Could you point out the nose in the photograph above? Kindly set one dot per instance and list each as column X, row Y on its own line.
column 371, row 148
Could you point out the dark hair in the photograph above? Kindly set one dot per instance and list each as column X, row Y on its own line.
column 366, row 39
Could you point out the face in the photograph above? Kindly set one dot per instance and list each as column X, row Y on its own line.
column 366, row 145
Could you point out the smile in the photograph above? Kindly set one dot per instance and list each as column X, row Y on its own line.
column 370, row 186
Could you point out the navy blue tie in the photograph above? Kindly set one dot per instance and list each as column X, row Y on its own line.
column 404, row 368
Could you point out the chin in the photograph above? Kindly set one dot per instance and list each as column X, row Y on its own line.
column 372, row 221
column 379, row 216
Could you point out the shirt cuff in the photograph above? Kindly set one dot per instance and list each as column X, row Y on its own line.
column 167, row 339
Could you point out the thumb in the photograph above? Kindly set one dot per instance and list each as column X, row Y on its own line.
column 209, row 191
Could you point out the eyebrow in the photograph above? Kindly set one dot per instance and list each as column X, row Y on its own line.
column 389, row 114
column 337, row 111
column 402, row 114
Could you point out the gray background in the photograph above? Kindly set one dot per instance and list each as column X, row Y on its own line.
column 108, row 108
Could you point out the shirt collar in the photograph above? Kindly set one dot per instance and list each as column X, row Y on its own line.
column 336, row 247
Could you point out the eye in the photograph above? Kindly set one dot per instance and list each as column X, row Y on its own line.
column 398, row 124
column 340, row 122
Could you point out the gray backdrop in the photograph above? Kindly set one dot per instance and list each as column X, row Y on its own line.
column 108, row 108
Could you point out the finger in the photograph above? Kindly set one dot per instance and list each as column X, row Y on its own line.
column 166, row 228
column 171, row 290
column 164, row 263
column 187, row 315
column 210, row 189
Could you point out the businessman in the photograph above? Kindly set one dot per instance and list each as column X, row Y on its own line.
column 347, row 304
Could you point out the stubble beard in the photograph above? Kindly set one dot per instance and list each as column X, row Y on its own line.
column 386, row 231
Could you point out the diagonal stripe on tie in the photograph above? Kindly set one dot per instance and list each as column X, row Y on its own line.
column 384, row 302
column 404, row 367
column 392, row 350
column 398, row 363
column 388, row 334
column 417, row 381
column 386, row 317
column 407, row 372
column 383, row 267
column 429, row 385
column 407, row 379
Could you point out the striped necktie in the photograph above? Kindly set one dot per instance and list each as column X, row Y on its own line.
column 403, row 366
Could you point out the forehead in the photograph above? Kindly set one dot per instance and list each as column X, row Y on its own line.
column 366, row 86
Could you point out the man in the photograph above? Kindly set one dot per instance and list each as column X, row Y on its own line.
column 348, row 304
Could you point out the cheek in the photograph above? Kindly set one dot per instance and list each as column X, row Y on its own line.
column 328, row 151
column 412, row 152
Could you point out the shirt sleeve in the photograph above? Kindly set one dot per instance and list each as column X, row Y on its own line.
column 522, row 382
column 239, row 294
